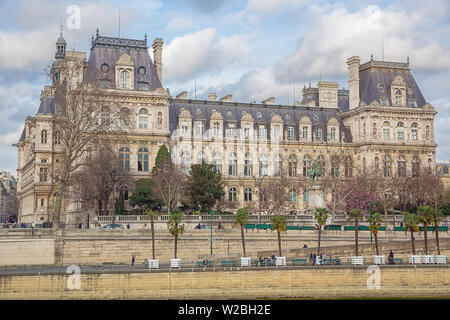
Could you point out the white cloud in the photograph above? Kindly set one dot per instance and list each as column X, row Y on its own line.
column 178, row 23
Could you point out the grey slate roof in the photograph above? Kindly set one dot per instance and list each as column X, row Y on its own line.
column 47, row 105
column 202, row 110
column 108, row 50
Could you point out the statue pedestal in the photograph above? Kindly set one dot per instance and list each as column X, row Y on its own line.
column 315, row 195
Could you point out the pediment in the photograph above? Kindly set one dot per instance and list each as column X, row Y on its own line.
column 125, row 60
column 398, row 81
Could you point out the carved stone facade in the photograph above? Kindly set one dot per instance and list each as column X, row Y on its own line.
column 383, row 120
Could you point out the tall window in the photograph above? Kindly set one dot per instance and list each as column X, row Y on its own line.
column 43, row 174
column 348, row 167
column 201, row 157
column 290, row 133
column 293, row 195
column 306, row 165
column 124, row 154
column 263, row 165
column 276, row 132
column 401, row 166
column 334, row 168
column 321, row 163
column 124, row 80
column 231, row 130
column 217, row 161
column 415, row 165
column 143, row 118
column 184, row 129
column 414, row 131
column 305, row 132
column 143, row 159
column 216, row 128
column 44, row 136
column 248, row 165
column 292, row 166
column 386, row 129
column 319, row 134
column 104, row 119
column 248, row 194
column 398, row 97
column 232, row 164
column 199, row 128
column 387, row 166
column 57, row 137
column 124, row 192
column 400, row 132
column 333, row 133
column 262, row 131
column 232, row 194
column 185, row 161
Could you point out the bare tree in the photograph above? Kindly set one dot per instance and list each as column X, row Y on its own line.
column 100, row 177
column 171, row 183
column 274, row 194
column 83, row 112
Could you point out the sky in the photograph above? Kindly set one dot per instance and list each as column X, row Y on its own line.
column 251, row 49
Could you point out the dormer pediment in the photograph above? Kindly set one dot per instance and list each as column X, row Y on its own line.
column 247, row 117
column 398, row 81
column 305, row 120
column 125, row 60
column 276, row 118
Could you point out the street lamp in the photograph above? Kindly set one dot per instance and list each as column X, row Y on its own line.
column 211, row 215
column 370, row 215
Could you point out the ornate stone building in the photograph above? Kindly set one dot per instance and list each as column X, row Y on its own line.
column 8, row 207
column 382, row 121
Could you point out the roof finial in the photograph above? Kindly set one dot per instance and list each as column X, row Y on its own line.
column 145, row 37
column 371, row 57
column 97, row 32
column 407, row 61
column 61, row 27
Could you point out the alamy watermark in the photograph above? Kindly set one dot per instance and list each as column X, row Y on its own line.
column 74, row 280
column 74, row 17
column 374, row 280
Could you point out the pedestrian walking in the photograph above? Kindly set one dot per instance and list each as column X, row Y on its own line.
column 133, row 259
column 391, row 257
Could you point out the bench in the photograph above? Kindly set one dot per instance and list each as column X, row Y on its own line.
column 399, row 229
column 327, row 261
column 229, row 263
column 200, row 264
column 398, row 260
column 307, row 228
column 299, row 262
column 337, row 261
column 292, row 228
column 262, row 226
column 249, row 226
column 333, row 227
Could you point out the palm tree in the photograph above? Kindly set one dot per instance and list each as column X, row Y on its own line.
column 425, row 213
column 321, row 216
column 279, row 224
column 174, row 226
column 411, row 225
column 374, row 226
column 241, row 218
column 152, row 216
column 355, row 214
column 436, row 218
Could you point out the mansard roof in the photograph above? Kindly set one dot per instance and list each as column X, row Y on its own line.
column 108, row 50
column 47, row 105
column 233, row 112
column 376, row 75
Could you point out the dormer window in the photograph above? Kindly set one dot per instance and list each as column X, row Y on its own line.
column 384, row 102
column 398, row 97
column 290, row 132
column 413, row 103
column 142, row 86
column 124, row 80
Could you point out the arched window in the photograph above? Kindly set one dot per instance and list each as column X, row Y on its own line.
column 398, row 97
column 185, row 161
column 387, row 166
column 124, row 80
column 292, row 166
column 57, row 137
column 400, row 132
column 306, row 165
column 143, row 118
column 348, row 167
column 401, row 166
column 414, row 131
column 232, row 194
column 124, row 154
column 386, row 130
column 124, row 192
column 248, row 194
column 293, row 195
column 217, row 161
column 321, row 163
column 262, row 165
column 232, row 164
column 415, row 165
column 248, row 165
column 44, row 136
column 143, row 159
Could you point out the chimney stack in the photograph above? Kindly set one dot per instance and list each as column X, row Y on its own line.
column 353, row 81
column 270, row 100
column 328, row 94
column 157, row 56
column 227, row 98
column 212, row 96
